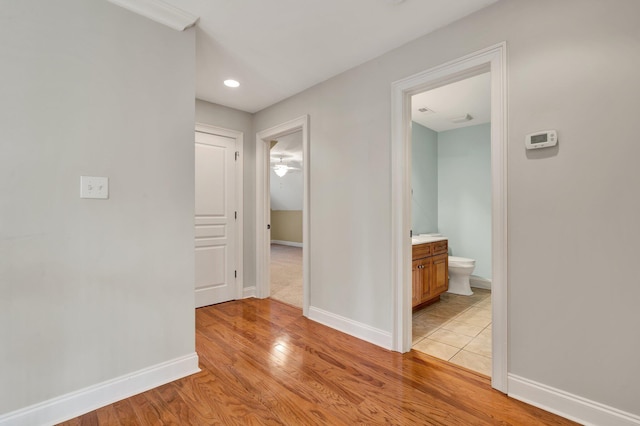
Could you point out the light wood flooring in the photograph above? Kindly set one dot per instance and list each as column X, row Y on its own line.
column 263, row 363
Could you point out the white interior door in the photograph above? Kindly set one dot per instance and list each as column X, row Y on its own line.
column 215, row 219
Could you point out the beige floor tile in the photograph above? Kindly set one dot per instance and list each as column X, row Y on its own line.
column 451, row 308
column 421, row 331
column 480, row 312
column 436, row 349
column 430, row 320
column 484, row 303
column 472, row 361
column 440, row 314
column 470, row 319
column 486, row 332
column 455, row 322
column 450, row 338
column 479, row 296
column 448, row 298
column 480, row 346
column 462, row 328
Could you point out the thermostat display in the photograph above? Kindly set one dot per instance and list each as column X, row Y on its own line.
column 541, row 139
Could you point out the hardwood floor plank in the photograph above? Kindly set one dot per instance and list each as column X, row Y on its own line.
column 269, row 385
column 264, row 364
column 125, row 413
column 107, row 416
column 333, row 380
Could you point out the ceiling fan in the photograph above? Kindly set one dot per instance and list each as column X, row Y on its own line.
column 281, row 168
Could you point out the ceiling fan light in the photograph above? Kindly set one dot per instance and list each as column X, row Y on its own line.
column 280, row 169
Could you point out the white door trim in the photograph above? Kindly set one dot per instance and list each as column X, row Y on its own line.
column 263, row 145
column 239, row 137
column 493, row 59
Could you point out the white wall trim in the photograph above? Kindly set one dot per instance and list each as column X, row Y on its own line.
column 239, row 243
column 263, row 235
column 76, row 403
column 287, row 243
column 160, row 12
column 570, row 406
column 353, row 328
column 479, row 282
column 249, row 292
column 490, row 59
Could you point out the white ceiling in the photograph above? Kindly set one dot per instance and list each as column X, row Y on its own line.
column 277, row 48
column 289, row 149
column 470, row 96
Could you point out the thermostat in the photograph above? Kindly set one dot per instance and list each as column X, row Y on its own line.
column 541, row 139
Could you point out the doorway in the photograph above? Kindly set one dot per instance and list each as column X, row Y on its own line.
column 451, row 212
column 263, row 205
column 286, row 208
column 490, row 60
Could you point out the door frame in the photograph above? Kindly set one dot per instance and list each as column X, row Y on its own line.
column 239, row 195
column 491, row 59
column 263, row 202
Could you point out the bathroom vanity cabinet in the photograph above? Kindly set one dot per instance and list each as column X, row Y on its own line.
column 430, row 272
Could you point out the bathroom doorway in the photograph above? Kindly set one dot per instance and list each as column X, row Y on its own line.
column 451, row 207
column 490, row 60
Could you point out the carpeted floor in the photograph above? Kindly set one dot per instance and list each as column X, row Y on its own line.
column 286, row 274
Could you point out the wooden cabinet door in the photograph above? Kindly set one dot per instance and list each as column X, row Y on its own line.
column 427, row 278
column 416, row 278
column 429, row 271
column 422, row 276
column 440, row 274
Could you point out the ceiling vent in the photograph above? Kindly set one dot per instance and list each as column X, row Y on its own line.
column 462, row 119
column 426, row 110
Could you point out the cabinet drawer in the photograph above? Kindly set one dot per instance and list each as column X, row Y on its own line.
column 421, row 250
column 439, row 247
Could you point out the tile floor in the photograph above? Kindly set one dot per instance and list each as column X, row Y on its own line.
column 457, row 329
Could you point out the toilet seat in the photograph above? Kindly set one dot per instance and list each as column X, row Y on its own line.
column 461, row 261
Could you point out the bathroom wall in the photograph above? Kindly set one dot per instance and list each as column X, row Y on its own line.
column 464, row 193
column 424, row 179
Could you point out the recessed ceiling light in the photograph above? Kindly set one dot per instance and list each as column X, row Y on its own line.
column 231, row 83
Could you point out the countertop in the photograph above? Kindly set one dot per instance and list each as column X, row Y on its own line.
column 423, row 239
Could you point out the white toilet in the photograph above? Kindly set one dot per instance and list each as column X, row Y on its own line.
column 460, row 269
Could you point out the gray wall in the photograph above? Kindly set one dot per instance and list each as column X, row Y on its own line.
column 464, row 193
column 573, row 233
column 424, row 179
column 92, row 289
column 233, row 119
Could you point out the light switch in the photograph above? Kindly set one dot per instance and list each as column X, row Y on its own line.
column 94, row 187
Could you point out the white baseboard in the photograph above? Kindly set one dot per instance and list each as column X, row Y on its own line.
column 567, row 405
column 249, row 292
column 479, row 282
column 76, row 403
column 286, row 243
column 351, row 327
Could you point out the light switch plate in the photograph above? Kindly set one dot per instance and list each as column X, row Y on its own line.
column 94, row 187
